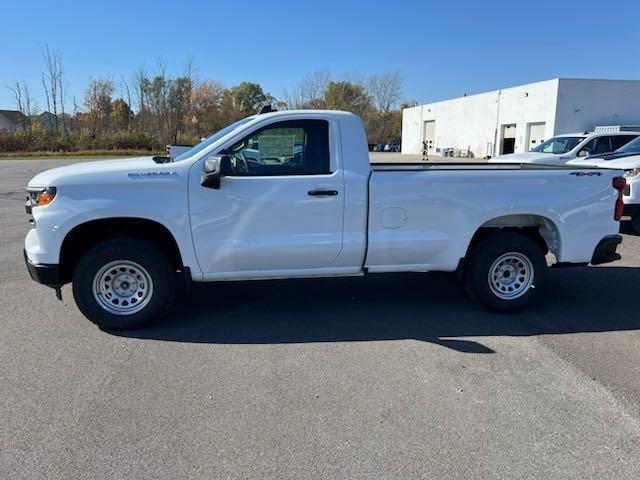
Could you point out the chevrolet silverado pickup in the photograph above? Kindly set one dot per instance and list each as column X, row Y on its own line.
column 626, row 158
column 292, row 194
column 562, row 149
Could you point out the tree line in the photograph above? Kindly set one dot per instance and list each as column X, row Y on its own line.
column 147, row 110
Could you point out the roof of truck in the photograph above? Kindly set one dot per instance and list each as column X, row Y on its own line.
column 306, row 112
column 586, row 134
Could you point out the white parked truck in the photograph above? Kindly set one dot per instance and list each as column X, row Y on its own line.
column 124, row 232
column 626, row 158
column 174, row 151
column 561, row 149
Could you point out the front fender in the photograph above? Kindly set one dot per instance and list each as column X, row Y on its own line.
column 165, row 204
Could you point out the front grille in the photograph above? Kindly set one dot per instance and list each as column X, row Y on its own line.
column 32, row 195
column 627, row 191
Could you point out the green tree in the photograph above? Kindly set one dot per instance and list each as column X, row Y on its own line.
column 249, row 98
column 348, row 96
column 121, row 114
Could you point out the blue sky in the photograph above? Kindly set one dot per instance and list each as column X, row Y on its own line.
column 441, row 49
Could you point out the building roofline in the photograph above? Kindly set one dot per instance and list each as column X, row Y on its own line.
column 583, row 79
column 496, row 90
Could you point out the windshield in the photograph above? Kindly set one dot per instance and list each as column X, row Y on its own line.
column 558, row 145
column 213, row 138
column 631, row 147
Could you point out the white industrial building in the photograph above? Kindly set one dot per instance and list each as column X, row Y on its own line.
column 517, row 119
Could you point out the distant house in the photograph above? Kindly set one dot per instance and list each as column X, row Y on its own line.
column 12, row 120
column 49, row 121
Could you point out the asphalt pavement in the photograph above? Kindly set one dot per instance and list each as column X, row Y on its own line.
column 387, row 376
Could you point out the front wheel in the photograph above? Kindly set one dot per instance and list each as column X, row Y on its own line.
column 505, row 271
column 122, row 284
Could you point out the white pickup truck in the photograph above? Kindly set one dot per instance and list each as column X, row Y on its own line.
column 561, row 149
column 626, row 158
column 124, row 232
column 173, row 151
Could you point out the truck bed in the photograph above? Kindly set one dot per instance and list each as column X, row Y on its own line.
column 424, row 216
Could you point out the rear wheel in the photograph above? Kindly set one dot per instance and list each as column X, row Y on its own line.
column 504, row 271
column 123, row 284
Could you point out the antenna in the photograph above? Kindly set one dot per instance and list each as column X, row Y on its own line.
column 267, row 109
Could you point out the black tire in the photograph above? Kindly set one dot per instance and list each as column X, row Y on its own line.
column 144, row 254
column 635, row 220
column 517, row 251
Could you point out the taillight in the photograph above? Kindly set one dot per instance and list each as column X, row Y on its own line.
column 619, row 183
column 167, row 150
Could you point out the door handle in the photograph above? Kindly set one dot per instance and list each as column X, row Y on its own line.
column 322, row 193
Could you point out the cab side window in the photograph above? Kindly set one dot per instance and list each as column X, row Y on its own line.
column 621, row 140
column 589, row 147
column 597, row 146
column 297, row 147
column 603, row 145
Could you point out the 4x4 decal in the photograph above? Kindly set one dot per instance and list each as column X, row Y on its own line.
column 586, row 174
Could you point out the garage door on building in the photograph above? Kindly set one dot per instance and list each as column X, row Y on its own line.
column 429, row 135
column 535, row 134
column 508, row 144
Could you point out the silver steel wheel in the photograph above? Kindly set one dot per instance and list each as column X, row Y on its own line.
column 122, row 287
column 511, row 276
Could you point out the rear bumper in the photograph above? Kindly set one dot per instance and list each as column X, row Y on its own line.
column 46, row 274
column 605, row 252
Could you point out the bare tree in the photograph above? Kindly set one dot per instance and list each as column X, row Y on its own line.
column 97, row 101
column 310, row 92
column 76, row 108
column 140, row 82
column 191, row 71
column 159, row 97
column 206, row 102
column 385, row 90
column 46, row 93
column 24, row 102
column 62, row 87
column 52, row 82
column 125, row 90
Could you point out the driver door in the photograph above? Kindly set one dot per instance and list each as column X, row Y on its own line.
column 280, row 210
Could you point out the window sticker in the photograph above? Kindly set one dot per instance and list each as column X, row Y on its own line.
column 277, row 146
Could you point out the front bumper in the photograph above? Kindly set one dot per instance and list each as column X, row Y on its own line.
column 46, row 274
column 605, row 252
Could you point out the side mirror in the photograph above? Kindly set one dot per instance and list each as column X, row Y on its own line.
column 584, row 153
column 214, row 168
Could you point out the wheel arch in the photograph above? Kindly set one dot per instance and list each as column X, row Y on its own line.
column 86, row 235
column 541, row 229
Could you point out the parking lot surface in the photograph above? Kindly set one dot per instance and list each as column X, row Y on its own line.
column 387, row 376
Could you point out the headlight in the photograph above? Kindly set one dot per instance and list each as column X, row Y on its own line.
column 634, row 172
column 39, row 197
